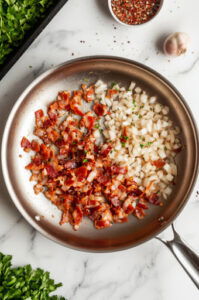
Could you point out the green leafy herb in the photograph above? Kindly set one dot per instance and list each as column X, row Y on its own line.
column 125, row 137
column 24, row 283
column 113, row 84
column 97, row 126
column 17, row 17
column 123, row 144
column 85, row 160
column 146, row 145
column 140, row 116
column 101, row 130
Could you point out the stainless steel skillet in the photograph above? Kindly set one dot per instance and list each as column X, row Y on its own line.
column 120, row 236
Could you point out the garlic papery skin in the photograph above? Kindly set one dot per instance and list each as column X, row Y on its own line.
column 176, row 44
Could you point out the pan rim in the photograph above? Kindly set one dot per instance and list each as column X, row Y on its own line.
column 16, row 200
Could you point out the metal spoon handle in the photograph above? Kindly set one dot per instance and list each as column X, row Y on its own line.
column 188, row 259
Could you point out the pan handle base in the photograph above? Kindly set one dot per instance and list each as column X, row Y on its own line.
column 188, row 259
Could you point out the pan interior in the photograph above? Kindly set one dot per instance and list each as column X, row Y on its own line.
column 39, row 95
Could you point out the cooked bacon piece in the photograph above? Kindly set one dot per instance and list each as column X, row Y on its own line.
column 115, row 201
column 159, row 163
column 139, row 213
column 111, row 92
column 100, row 109
column 77, row 217
column 75, row 102
column 101, row 224
column 81, row 173
column 136, row 192
column 63, row 100
column 178, row 150
column 39, row 114
column 88, row 120
column 142, row 205
column 154, row 199
column 119, row 216
column 26, row 144
column 106, row 149
column 71, row 164
column 39, row 118
column 88, row 93
column 64, row 218
column 118, row 170
column 45, row 151
column 52, row 173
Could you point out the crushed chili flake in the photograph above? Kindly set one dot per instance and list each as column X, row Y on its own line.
column 134, row 12
column 74, row 171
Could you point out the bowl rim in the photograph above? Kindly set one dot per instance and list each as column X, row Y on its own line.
column 134, row 25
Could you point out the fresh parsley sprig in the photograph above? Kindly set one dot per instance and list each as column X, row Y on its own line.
column 17, row 17
column 25, row 283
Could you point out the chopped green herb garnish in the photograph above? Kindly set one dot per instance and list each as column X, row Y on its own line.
column 149, row 143
column 25, row 283
column 97, row 126
column 146, row 145
column 85, row 160
column 17, row 18
column 134, row 103
column 85, row 151
column 142, row 106
column 113, row 84
column 139, row 116
column 101, row 130
column 125, row 137
column 123, row 144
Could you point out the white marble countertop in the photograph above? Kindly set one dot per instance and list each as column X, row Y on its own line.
column 84, row 27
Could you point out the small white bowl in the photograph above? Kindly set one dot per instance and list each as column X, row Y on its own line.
column 131, row 25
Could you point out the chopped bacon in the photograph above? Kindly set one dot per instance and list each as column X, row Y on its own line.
column 139, row 212
column 77, row 217
column 88, row 93
column 154, row 199
column 178, row 150
column 159, row 163
column 52, row 173
column 118, row 170
column 75, row 171
column 106, row 150
column 45, row 151
column 88, row 120
column 111, row 92
column 101, row 224
column 39, row 114
column 26, row 144
column 100, row 109
column 71, row 164
column 81, row 173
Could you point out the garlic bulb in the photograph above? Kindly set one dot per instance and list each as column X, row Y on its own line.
column 176, row 44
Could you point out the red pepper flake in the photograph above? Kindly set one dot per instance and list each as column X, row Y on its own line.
column 134, row 12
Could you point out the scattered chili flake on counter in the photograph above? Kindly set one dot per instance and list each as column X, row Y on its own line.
column 135, row 12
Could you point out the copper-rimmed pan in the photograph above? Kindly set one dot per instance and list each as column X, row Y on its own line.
column 120, row 236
